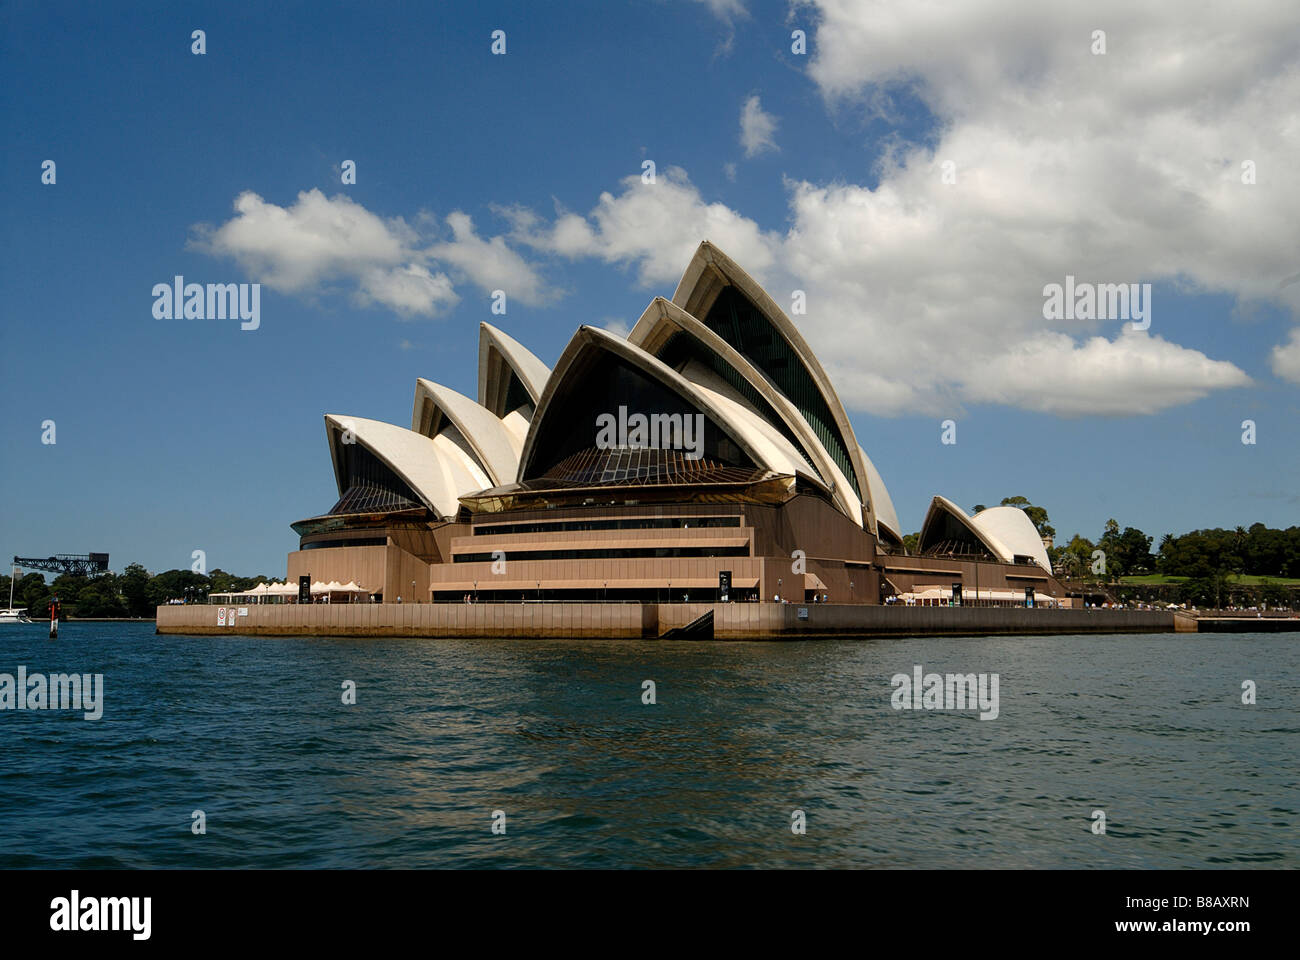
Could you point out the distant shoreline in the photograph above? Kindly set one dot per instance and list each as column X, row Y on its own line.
column 108, row 620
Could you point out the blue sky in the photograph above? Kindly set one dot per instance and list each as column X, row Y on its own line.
column 924, row 302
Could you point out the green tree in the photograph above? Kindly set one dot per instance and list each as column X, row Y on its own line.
column 1036, row 514
column 171, row 585
column 1076, row 558
column 134, row 584
column 34, row 594
column 99, row 598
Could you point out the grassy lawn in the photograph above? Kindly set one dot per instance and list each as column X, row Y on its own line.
column 1246, row 580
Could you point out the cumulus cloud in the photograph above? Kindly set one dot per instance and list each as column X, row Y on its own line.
column 757, row 128
column 925, row 286
column 490, row 264
column 903, row 322
column 654, row 226
column 1166, row 157
column 1134, row 373
column 323, row 244
column 1286, row 358
column 726, row 10
column 408, row 289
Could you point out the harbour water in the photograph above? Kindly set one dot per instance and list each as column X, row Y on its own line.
column 1150, row 729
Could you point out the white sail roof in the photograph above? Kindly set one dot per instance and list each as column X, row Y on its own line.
column 493, row 445
column 437, row 470
column 499, row 355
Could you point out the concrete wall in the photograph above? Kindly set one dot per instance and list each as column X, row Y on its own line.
column 740, row 620
column 388, row 570
column 418, row 620
column 732, row 621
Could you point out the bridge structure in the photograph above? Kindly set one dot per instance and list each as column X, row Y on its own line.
column 87, row 564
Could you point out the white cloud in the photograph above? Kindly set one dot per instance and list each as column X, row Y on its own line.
column 726, row 10
column 617, row 326
column 1121, row 168
column 905, row 317
column 490, row 264
column 756, row 128
column 655, row 226
column 1285, row 358
column 321, row 244
column 1134, row 373
column 408, row 289
column 293, row 249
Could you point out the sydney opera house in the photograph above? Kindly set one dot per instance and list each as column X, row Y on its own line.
column 704, row 456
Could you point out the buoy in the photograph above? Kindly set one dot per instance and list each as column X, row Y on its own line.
column 54, row 619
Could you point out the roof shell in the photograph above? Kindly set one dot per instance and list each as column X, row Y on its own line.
column 437, row 471
column 1007, row 532
column 1012, row 527
column 881, row 502
column 493, row 444
column 499, row 355
column 761, row 442
column 708, row 273
column 662, row 318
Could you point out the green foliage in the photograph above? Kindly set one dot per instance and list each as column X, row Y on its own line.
column 1127, row 552
column 134, row 584
column 1037, row 514
column 173, row 584
column 1259, row 551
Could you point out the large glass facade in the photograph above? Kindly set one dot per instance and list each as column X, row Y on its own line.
column 945, row 535
column 370, row 486
column 517, row 396
column 604, row 383
column 738, row 321
column 633, row 523
column 621, row 553
column 681, row 348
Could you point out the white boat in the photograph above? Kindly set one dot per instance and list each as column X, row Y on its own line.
column 14, row 614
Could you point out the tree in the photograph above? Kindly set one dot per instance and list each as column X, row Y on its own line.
column 99, row 598
column 171, row 584
column 1129, row 552
column 1036, row 514
column 31, row 585
column 134, row 584
column 34, row 594
column 1076, row 556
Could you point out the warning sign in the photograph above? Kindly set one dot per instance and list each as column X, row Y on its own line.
column 221, row 616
